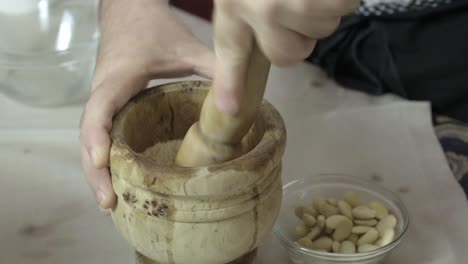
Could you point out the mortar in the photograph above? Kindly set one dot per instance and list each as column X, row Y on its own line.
column 211, row 214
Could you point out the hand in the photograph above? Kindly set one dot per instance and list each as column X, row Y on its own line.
column 141, row 40
column 285, row 30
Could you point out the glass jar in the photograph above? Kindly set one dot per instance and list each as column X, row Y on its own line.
column 303, row 191
column 48, row 50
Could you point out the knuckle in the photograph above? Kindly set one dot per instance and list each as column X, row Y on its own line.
column 290, row 54
column 304, row 6
column 84, row 123
column 275, row 56
column 354, row 4
column 329, row 27
column 342, row 7
column 82, row 119
column 100, row 106
column 268, row 10
column 304, row 50
column 282, row 60
column 224, row 4
column 82, row 116
column 334, row 24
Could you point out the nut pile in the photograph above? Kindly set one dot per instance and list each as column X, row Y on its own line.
column 344, row 226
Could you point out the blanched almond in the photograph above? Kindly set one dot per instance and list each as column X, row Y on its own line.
column 363, row 212
column 369, row 237
column 380, row 210
column 388, row 222
column 309, row 220
column 353, row 199
column 347, row 247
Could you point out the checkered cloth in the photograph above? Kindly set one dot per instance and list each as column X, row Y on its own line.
column 391, row 7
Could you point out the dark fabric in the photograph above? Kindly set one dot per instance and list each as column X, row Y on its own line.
column 421, row 55
column 453, row 137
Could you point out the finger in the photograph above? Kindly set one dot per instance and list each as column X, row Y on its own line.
column 319, row 8
column 309, row 26
column 233, row 44
column 100, row 182
column 106, row 99
column 95, row 139
column 282, row 46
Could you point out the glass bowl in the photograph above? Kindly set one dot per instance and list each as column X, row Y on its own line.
column 48, row 50
column 302, row 191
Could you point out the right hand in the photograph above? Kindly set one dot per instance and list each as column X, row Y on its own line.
column 141, row 40
column 285, row 30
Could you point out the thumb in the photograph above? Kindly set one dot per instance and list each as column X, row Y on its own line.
column 233, row 40
column 106, row 99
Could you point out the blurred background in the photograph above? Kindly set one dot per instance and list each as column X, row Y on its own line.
column 48, row 214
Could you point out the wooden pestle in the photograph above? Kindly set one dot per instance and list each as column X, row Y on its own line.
column 217, row 136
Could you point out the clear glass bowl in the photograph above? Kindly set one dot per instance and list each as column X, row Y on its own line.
column 48, row 50
column 302, row 191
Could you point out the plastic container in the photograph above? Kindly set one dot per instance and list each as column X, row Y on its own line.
column 302, row 191
column 48, row 50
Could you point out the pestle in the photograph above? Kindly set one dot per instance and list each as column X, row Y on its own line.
column 217, row 136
